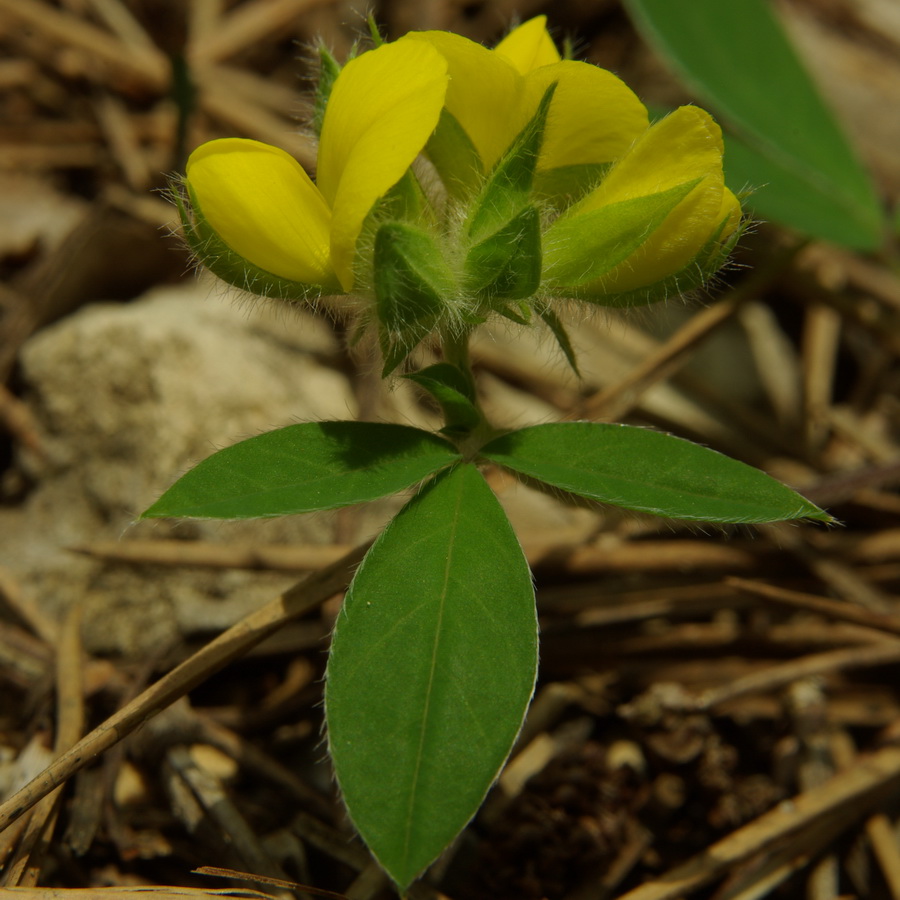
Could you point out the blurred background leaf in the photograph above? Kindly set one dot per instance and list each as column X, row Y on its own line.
column 783, row 140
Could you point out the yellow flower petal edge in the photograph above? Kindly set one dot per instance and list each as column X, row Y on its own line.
column 594, row 118
column 264, row 206
column 383, row 108
column 484, row 94
column 529, row 46
column 684, row 146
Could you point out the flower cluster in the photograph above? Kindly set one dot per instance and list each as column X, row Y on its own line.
column 454, row 182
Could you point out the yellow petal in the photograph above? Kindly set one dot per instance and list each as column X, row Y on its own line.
column 529, row 46
column 484, row 94
column 594, row 118
column 383, row 108
column 262, row 204
column 683, row 147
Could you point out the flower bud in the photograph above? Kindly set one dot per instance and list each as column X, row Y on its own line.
column 412, row 287
column 661, row 218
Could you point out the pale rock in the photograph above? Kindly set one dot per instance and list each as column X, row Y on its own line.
column 128, row 397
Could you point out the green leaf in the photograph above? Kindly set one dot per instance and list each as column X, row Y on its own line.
column 454, row 393
column 737, row 57
column 316, row 465
column 507, row 265
column 649, row 472
column 580, row 247
column 509, row 184
column 432, row 666
column 778, row 195
column 413, row 285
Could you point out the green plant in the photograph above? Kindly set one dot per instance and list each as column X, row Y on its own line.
column 550, row 184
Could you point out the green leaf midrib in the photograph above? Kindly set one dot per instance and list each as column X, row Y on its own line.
column 434, row 655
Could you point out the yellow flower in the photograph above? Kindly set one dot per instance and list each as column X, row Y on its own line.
column 554, row 185
column 675, row 170
column 261, row 203
column 654, row 213
column 594, row 117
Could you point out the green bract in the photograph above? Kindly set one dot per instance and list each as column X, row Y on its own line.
column 546, row 182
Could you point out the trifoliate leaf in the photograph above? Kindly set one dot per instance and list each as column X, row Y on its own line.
column 305, row 467
column 649, row 472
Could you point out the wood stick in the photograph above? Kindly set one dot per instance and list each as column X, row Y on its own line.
column 25, row 868
column 568, row 556
column 833, row 609
column 228, row 646
column 783, row 674
column 147, row 63
column 619, row 399
column 848, row 795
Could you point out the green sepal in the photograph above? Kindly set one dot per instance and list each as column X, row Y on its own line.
column 455, row 394
column 405, row 201
column 469, row 318
column 695, row 274
column 211, row 251
column 521, row 315
column 507, row 265
column 580, row 247
column 329, row 69
column 454, row 155
column 374, row 30
column 509, row 184
column 558, row 330
column 413, row 285
column 448, row 375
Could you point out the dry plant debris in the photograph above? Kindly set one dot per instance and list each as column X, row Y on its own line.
column 718, row 714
